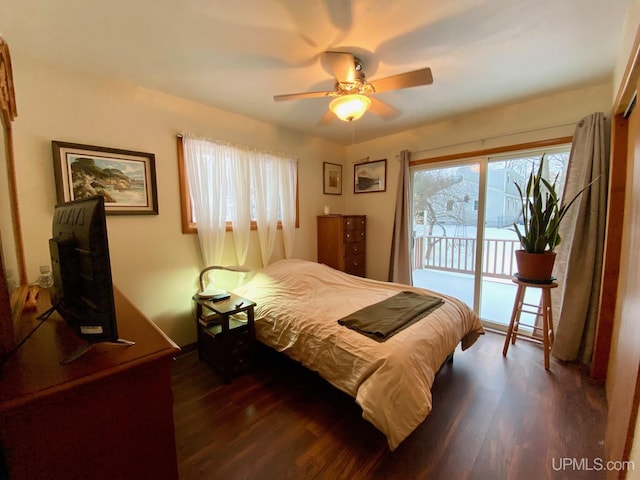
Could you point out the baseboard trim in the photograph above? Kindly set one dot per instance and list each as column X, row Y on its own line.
column 190, row 347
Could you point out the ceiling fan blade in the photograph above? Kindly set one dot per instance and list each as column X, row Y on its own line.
column 326, row 119
column 383, row 110
column 342, row 65
column 404, row 80
column 297, row 96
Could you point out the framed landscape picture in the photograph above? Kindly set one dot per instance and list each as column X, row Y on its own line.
column 126, row 179
column 370, row 176
column 332, row 183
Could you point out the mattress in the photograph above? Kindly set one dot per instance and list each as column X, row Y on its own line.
column 298, row 307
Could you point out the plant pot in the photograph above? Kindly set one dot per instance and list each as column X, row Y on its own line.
column 535, row 267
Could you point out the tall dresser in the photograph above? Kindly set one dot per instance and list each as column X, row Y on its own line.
column 342, row 242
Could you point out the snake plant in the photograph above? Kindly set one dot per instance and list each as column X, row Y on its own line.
column 542, row 212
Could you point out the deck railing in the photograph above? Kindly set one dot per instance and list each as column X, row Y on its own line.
column 458, row 254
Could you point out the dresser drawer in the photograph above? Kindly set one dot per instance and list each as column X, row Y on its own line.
column 354, row 236
column 354, row 263
column 354, row 223
column 358, row 272
column 354, row 249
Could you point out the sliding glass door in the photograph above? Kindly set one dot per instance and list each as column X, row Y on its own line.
column 463, row 228
column 445, row 232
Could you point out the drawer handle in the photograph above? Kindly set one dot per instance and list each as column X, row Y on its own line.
column 355, row 249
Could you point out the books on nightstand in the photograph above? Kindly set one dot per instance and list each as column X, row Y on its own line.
column 236, row 320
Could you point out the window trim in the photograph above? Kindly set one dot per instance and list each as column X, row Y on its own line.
column 494, row 151
column 188, row 225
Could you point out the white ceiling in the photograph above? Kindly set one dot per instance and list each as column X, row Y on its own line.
column 237, row 54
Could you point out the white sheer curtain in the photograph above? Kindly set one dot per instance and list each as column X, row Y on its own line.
column 209, row 204
column 241, row 205
column 239, row 184
column 265, row 188
column 288, row 181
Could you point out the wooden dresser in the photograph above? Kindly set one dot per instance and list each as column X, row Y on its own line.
column 106, row 415
column 342, row 241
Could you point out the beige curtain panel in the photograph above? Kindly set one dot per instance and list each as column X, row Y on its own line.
column 579, row 256
column 400, row 261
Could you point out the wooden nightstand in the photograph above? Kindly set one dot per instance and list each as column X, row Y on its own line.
column 226, row 334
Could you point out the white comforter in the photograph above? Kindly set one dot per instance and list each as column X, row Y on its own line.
column 298, row 305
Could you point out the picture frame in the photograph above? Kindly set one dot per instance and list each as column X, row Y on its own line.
column 332, row 178
column 127, row 179
column 370, row 177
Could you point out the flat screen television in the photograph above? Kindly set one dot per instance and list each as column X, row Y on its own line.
column 82, row 291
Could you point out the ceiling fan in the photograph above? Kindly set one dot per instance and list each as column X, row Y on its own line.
column 352, row 95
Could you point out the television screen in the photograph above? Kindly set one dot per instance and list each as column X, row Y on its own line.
column 82, row 292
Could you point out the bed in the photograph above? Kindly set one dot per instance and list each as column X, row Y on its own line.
column 298, row 307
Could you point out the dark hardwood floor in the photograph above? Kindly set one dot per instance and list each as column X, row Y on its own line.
column 492, row 418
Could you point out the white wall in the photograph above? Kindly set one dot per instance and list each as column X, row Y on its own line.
column 629, row 32
column 537, row 119
column 156, row 265
column 153, row 262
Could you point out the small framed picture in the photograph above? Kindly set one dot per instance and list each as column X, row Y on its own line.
column 332, row 178
column 370, row 176
column 126, row 179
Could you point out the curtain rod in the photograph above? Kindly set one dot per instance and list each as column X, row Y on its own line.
column 495, row 136
column 240, row 146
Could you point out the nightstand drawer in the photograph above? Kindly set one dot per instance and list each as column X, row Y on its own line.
column 239, row 366
column 239, row 343
column 230, row 353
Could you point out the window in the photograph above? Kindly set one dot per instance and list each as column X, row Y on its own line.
column 189, row 220
column 471, row 254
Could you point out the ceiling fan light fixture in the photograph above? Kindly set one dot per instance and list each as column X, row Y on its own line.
column 350, row 107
